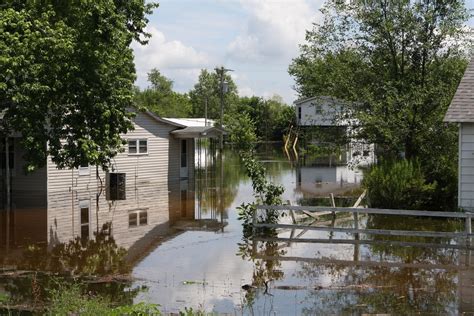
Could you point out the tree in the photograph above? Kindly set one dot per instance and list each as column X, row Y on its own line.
column 161, row 99
column 67, row 74
column 399, row 61
column 207, row 89
column 272, row 117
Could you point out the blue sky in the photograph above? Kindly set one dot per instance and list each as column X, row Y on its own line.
column 255, row 38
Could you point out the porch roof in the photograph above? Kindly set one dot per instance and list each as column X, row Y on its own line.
column 199, row 132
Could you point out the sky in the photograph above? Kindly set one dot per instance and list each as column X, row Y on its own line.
column 257, row 39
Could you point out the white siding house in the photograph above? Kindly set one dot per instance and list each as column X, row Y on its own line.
column 135, row 195
column 334, row 115
column 461, row 111
column 322, row 111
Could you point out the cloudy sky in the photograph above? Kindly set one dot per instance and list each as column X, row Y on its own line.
column 255, row 38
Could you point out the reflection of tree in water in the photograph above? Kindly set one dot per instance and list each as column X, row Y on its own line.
column 398, row 290
column 98, row 264
column 264, row 271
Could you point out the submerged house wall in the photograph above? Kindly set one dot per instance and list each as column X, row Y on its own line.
column 147, row 190
column 27, row 219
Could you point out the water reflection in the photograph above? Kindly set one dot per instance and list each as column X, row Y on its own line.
column 185, row 258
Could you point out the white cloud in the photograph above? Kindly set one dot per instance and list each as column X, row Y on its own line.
column 273, row 30
column 168, row 56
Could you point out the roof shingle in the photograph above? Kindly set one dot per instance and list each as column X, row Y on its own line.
column 461, row 108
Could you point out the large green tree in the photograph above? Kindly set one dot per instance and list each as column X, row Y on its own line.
column 67, row 74
column 161, row 99
column 272, row 117
column 207, row 90
column 400, row 61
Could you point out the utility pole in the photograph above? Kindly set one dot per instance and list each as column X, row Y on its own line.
column 222, row 86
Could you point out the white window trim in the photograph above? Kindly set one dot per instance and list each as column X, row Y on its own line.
column 136, row 213
column 137, row 142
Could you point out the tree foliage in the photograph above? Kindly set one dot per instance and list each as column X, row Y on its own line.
column 67, row 74
column 161, row 99
column 272, row 117
column 400, row 61
column 207, row 90
column 399, row 64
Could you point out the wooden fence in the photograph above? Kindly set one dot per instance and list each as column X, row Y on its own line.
column 316, row 211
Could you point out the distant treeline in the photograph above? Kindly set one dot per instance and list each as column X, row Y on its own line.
column 271, row 117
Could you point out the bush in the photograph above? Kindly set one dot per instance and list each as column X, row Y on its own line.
column 398, row 185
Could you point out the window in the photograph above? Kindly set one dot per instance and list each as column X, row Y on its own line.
column 115, row 186
column 184, row 158
column 84, row 219
column 137, row 146
column 137, row 218
column 299, row 113
column 318, row 109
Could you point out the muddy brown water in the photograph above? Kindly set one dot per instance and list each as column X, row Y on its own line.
column 198, row 257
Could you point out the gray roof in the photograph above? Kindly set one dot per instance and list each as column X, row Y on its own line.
column 461, row 108
column 198, row 131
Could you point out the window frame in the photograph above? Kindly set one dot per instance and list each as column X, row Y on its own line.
column 137, row 146
column 135, row 216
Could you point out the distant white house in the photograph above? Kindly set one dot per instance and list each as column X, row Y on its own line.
column 330, row 112
column 461, row 110
column 148, row 185
column 323, row 111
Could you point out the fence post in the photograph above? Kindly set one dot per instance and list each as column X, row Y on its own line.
column 468, row 224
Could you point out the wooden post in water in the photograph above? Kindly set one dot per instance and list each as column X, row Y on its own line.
column 8, row 193
column 356, row 236
column 468, row 237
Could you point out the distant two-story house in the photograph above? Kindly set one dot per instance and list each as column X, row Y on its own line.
column 334, row 116
column 149, row 185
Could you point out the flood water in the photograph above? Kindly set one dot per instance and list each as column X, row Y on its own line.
column 200, row 259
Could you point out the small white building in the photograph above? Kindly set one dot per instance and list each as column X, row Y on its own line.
column 461, row 110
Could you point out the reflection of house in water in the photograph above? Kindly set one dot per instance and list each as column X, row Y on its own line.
column 320, row 178
column 150, row 186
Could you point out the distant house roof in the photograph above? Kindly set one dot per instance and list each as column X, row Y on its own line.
column 461, row 108
column 321, row 97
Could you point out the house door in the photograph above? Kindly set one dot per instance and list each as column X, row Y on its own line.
column 184, row 159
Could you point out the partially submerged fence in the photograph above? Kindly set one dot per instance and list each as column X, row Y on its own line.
column 316, row 211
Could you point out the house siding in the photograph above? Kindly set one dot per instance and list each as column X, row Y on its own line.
column 466, row 166
column 147, row 189
column 330, row 110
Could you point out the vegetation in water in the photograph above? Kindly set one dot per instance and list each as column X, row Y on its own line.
column 71, row 300
column 99, row 256
column 399, row 185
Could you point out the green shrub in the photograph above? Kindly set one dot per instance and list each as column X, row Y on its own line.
column 398, row 185
column 70, row 300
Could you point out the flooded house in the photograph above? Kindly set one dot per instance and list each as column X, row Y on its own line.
column 333, row 117
column 461, row 111
column 149, row 186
